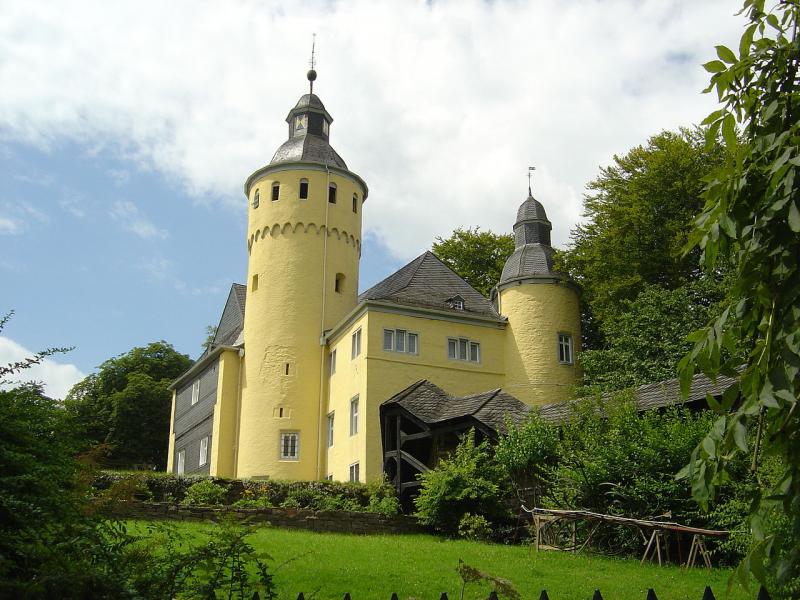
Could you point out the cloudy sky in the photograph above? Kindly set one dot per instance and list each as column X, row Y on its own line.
column 127, row 130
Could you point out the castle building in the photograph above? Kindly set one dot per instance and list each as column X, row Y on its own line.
column 307, row 379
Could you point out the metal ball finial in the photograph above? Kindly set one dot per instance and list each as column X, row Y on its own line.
column 311, row 75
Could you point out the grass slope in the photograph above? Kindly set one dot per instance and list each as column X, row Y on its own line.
column 422, row 567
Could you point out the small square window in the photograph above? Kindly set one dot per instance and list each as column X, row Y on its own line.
column 195, row 392
column 290, row 445
column 303, row 189
column 354, row 475
column 565, row 349
column 204, row 451
column 356, row 344
column 276, row 190
column 354, row 416
column 333, row 362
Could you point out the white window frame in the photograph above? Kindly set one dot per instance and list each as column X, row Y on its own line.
column 333, row 362
column 354, row 415
column 195, row 391
column 463, row 350
column 287, row 455
column 203, row 452
column 566, row 349
column 180, row 468
column 355, row 350
column 395, row 335
column 355, row 468
column 331, row 422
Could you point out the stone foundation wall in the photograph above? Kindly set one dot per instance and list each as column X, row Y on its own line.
column 336, row 521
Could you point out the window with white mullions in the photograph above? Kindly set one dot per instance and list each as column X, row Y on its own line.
column 565, row 349
column 330, row 430
column 463, row 349
column 354, row 472
column 354, row 416
column 355, row 348
column 195, row 392
column 181, row 468
column 400, row 340
column 203, row 451
column 290, row 445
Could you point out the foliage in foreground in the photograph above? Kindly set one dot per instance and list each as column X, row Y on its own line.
column 752, row 216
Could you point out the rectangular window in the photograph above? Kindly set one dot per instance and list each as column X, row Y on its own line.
column 333, row 362
column 276, row 190
column 255, row 199
column 332, row 193
column 354, row 416
column 565, row 348
column 330, row 430
column 329, row 477
column 356, row 344
column 354, row 472
column 303, row 190
column 355, row 203
column 463, row 349
column 290, row 445
column 203, row 451
column 400, row 340
column 181, row 462
column 388, row 339
column 195, row 392
column 254, row 285
column 412, row 343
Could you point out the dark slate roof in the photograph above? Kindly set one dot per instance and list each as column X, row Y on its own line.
column 232, row 320
column 530, row 260
column 531, row 210
column 309, row 101
column 432, row 405
column 308, row 148
column 652, row 396
column 428, row 283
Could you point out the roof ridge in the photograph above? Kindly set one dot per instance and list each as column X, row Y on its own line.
column 492, row 395
column 446, row 266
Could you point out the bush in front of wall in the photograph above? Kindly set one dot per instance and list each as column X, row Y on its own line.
column 205, row 493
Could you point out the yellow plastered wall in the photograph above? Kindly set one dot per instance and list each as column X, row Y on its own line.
column 286, row 314
column 171, row 449
column 537, row 313
column 223, row 435
column 380, row 374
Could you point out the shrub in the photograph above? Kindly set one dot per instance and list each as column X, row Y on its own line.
column 474, row 527
column 469, row 482
column 205, row 493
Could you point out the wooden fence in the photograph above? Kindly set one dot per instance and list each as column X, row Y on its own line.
column 651, row 595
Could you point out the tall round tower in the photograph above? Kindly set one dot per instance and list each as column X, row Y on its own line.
column 542, row 307
column 304, row 244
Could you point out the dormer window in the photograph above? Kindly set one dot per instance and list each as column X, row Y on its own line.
column 456, row 302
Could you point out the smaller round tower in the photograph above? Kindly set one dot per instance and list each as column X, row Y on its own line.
column 542, row 306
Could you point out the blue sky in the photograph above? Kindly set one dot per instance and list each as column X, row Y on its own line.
column 126, row 131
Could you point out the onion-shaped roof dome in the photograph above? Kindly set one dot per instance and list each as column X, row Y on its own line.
column 533, row 255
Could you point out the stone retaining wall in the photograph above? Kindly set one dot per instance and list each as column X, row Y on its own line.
column 338, row 521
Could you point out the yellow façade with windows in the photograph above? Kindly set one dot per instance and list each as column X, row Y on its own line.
column 302, row 368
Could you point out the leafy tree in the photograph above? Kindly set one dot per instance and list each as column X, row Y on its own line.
column 752, row 212
column 211, row 333
column 636, row 213
column 477, row 256
column 126, row 403
column 646, row 338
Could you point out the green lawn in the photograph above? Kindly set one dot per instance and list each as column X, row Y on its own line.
column 422, row 567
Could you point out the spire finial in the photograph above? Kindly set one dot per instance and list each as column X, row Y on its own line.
column 312, row 74
column 530, row 171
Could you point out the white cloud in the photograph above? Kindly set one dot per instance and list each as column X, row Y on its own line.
column 440, row 107
column 9, row 226
column 57, row 377
column 127, row 214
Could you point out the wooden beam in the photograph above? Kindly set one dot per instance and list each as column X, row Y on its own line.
column 410, row 437
column 422, row 468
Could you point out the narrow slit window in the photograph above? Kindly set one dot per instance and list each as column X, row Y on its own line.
column 304, row 189
column 285, row 368
column 203, row 451
column 355, row 203
column 256, row 199
column 332, row 193
column 333, row 362
column 195, row 392
column 254, row 285
column 181, row 467
column 338, row 285
column 276, row 191
column 330, row 430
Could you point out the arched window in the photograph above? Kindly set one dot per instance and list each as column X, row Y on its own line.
column 304, row 189
column 276, row 190
column 255, row 199
column 355, row 203
column 332, row 193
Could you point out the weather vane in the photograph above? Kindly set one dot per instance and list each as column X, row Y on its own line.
column 530, row 171
column 312, row 74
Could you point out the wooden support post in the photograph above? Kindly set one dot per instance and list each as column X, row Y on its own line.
column 658, row 546
column 649, row 545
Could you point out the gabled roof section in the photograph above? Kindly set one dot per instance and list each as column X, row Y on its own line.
column 432, row 405
column 429, row 283
column 232, row 320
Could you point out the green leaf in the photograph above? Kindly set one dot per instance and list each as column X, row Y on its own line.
column 729, row 131
column 794, row 217
column 740, row 435
column 715, row 66
column 746, row 41
column 726, row 54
